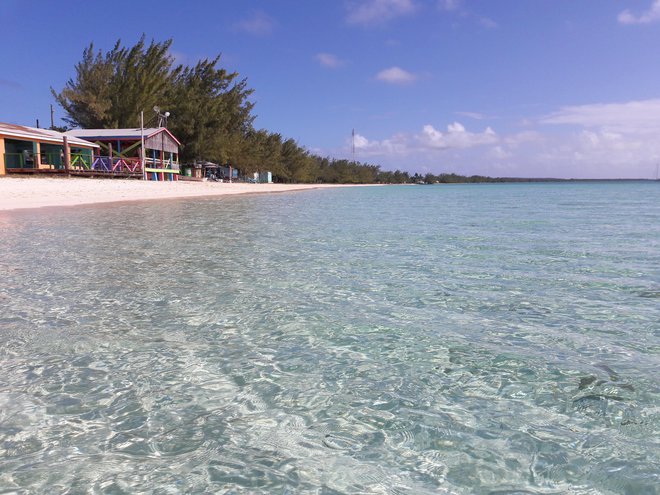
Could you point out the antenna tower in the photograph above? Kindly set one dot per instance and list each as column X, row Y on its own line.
column 353, row 145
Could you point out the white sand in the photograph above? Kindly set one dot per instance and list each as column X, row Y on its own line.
column 39, row 192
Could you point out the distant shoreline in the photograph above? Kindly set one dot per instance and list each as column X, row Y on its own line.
column 20, row 193
column 522, row 180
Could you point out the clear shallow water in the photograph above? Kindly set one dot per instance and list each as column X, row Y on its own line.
column 481, row 339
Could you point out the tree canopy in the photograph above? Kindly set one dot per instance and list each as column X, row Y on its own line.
column 210, row 113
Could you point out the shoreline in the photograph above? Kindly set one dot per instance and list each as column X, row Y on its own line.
column 22, row 193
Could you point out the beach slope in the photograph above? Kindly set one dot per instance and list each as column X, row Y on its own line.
column 38, row 192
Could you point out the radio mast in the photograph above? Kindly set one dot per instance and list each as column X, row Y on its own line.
column 353, row 145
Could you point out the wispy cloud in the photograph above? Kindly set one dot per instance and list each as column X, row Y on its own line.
column 378, row 12
column 472, row 115
column 329, row 60
column 456, row 8
column 642, row 116
column 396, row 75
column 487, row 22
column 449, row 5
column 179, row 57
column 651, row 15
column 7, row 83
column 258, row 24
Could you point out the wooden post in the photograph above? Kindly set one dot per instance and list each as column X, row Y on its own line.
column 36, row 155
column 3, row 166
column 143, row 154
column 110, row 151
column 67, row 157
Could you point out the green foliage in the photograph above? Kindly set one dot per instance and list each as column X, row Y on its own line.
column 453, row 178
column 210, row 113
column 209, row 106
column 87, row 100
column 111, row 89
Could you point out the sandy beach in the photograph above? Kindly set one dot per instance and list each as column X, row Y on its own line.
column 38, row 192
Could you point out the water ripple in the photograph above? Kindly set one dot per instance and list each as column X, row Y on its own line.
column 466, row 340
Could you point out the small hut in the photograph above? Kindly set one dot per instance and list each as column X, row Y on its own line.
column 120, row 149
column 32, row 150
column 200, row 170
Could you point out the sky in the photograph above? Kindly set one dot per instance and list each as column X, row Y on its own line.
column 515, row 88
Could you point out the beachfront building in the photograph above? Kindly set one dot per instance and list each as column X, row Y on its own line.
column 120, row 151
column 32, row 150
column 199, row 170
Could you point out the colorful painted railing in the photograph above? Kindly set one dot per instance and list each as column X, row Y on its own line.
column 80, row 161
column 115, row 165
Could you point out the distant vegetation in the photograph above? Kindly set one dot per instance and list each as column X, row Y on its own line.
column 462, row 179
column 211, row 114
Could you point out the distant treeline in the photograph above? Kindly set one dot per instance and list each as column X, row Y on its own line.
column 210, row 113
column 463, row 179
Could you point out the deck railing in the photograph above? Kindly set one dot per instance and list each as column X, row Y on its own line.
column 52, row 160
column 19, row 160
column 108, row 165
column 86, row 163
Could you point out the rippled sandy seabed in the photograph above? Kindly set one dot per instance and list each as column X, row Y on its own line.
column 464, row 339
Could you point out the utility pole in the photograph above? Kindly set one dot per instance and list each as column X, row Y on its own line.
column 143, row 156
column 353, row 145
column 52, row 117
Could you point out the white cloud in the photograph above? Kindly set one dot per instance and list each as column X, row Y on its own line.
column 360, row 142
column 259, row 24
column 396, row 75
column 487, row 22
column 472, row 115
column 609, row 140
column 179, row 58
column 651, row 15
column 500, row 153
column 455, row 137
column 329, row 60
column 375, row 12
column 396, row 145
column 449, row 4
column 642, row 116
column 520, row 138
column 429, row 139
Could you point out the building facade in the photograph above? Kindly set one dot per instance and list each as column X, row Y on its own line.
column 32, row 150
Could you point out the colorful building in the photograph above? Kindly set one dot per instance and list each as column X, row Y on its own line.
column 119, row 151
column 33, row 150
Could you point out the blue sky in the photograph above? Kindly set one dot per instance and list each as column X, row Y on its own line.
column 543, row 88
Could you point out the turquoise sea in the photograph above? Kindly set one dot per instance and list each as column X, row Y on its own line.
column 464, row 339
